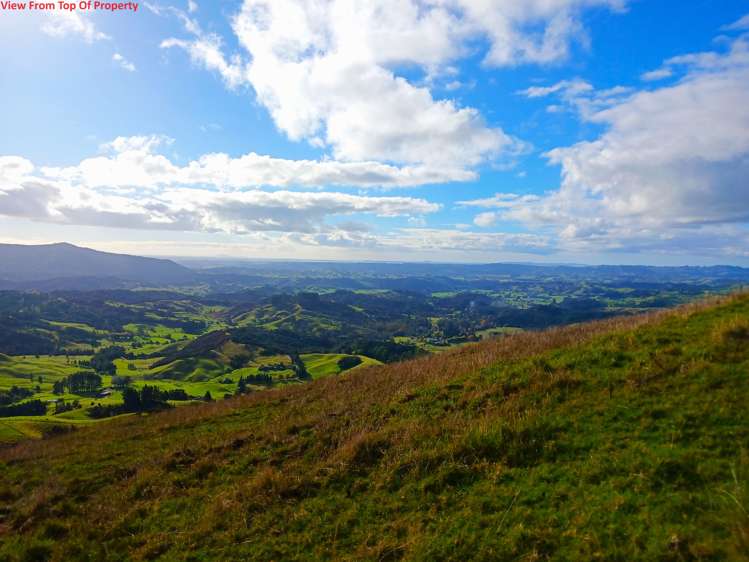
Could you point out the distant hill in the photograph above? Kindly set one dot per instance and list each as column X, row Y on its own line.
column 67, row 266
column 351, row 274
column 624, row 439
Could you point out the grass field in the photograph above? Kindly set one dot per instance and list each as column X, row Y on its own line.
column 196, row 376
column 494, row 332
column 326, row 364
column 621, row 440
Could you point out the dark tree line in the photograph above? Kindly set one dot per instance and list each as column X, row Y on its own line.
column 61, row 406
column 299, row 368
column 30, row 408
column 15, row 394
column 151, row 398
column 260, row 379
column 82, row 382
column 348, row 362
column 147, row 399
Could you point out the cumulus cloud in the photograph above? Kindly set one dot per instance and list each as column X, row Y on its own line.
column 134, row 162
column 535, row 31
column 82, row 196
column 503, row 201
column 63, row 23
column 326, row 71
column 671, row 166
column 486, row 219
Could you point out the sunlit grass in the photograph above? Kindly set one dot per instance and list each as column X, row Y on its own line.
column 617, row 440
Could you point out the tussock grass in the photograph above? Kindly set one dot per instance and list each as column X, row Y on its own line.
column 623, row 439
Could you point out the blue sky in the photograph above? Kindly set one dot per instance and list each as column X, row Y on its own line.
column 589, row 131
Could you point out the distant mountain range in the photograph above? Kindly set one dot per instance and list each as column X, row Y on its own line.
column 68, row 266
column 55, row 267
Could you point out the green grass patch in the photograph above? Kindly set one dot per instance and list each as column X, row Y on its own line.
column 326, row 364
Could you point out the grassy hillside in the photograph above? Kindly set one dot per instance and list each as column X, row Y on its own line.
column 326, row 364
column 625, row 440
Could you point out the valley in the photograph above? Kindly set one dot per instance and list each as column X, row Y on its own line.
column 165, row 336
column 620, row 439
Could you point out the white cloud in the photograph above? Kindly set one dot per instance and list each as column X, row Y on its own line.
column 710, row 60
column 577, row 95
column 341, row 243
column 123, row 62
column 501, row 201
column 425, row 242
column 133, row 162
column 659, row 74
column 535, row 31
column 486, row 219
column 64, row 199
column 63, row 23
column 192, row 6
column 207, row 52
column 571, row 87
column 446, row 240
column 13, row 168
column 740, row 24
column 137, row 143
column 670, row 169
column 325, row 70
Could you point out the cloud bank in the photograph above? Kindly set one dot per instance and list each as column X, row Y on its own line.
column 668, row 172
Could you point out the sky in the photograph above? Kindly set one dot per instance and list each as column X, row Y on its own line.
column 575, row 131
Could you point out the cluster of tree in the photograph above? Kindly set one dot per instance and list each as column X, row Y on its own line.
column 385, row 351
column 239, row 361
column 147, row 399
column 260, row 378
column 348, row 362
column 282, row 340
column 103, row 360
column 299, row 368
column 15, row 394
column 20, row 341
column 270, row 367
column 151, row 398
column 101, row 411
column 82, row 382
column 61, row 406
column 120, row 382
column 30, row 408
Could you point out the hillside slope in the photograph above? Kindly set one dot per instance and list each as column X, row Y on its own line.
column 625, row 439
column 22, row 263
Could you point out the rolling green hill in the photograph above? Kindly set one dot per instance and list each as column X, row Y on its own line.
column 625, row 439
